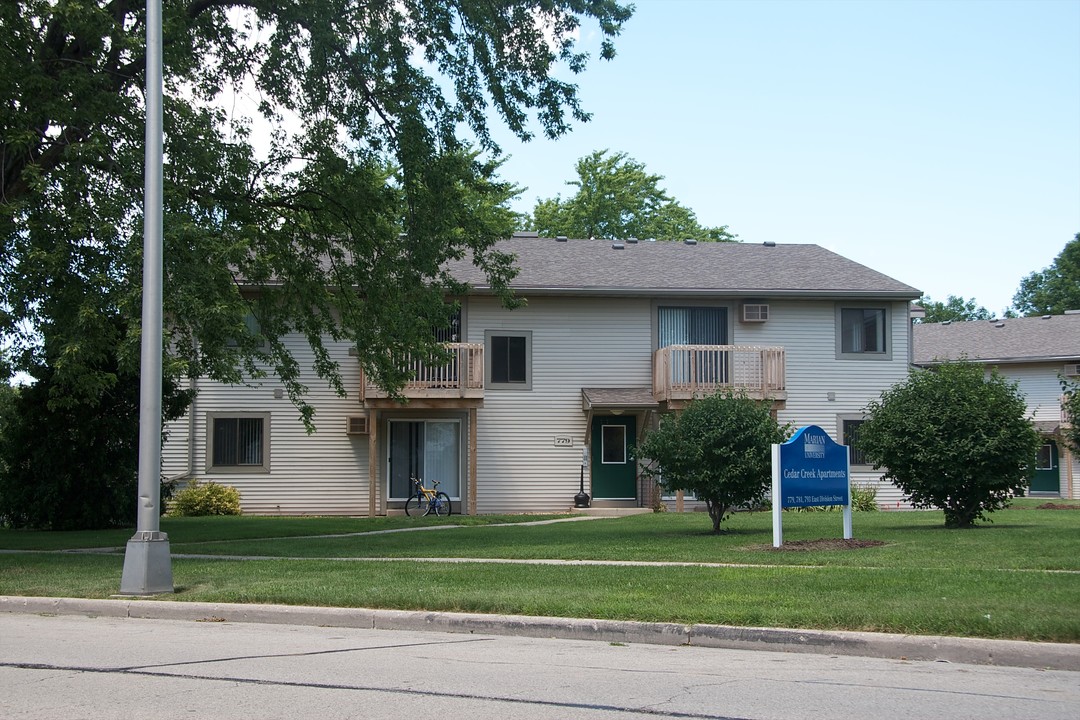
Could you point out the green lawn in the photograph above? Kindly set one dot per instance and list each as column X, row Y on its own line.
column 991, row 581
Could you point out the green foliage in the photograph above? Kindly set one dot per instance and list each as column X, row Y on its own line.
column 199, row 499
column 617, row 198
column 954, row 308
column 9, row 394
column 719, row 448
column 954, row 439
column 1070, row 405
column 1055, row 289
column 864, row 497
column 69, row 464
column 338, row 225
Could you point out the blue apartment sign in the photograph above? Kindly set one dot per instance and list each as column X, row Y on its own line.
column 813, row 470
column 810, row 469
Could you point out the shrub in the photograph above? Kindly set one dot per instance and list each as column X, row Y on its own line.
column 69, row 462
column 864, row 497
column 205, row 498
column 719, row 448
column 953, row 438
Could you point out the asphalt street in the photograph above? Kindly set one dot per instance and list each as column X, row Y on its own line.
column 74, row 666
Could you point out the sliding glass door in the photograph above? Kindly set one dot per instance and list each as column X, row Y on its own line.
column 426, row 449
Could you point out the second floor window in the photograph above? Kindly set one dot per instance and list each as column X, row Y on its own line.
column 509, row 359
column 862, row 330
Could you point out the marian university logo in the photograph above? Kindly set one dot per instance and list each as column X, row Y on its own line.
column 813, row 446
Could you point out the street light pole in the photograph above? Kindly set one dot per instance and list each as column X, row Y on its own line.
column 147, row 562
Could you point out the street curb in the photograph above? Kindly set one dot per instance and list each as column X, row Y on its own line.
column 973, row 651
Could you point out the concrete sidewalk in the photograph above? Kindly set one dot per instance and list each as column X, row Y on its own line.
column 975, row 651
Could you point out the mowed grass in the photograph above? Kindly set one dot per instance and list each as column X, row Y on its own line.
column 1016, row 578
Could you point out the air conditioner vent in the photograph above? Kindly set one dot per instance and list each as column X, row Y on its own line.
column 356, row 425
column 754, row 312
column 1072, row 370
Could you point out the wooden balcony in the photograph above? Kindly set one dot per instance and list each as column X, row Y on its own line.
column 683, row 372
column 461, row 379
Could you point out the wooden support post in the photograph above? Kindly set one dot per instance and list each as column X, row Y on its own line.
column 373, row 463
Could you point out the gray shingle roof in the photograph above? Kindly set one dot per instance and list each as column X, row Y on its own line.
column 1056, row 337
column 594, row 267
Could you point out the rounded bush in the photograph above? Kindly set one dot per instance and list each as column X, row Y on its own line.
column 205, row 498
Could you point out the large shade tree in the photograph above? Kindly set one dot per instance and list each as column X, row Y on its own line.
column 616, row 197
column 337, row 225
column 953, row 308
column 1054, row 289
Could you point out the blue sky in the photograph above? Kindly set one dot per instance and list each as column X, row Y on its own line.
column 935, row 141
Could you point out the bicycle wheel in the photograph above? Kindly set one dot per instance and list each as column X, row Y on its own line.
column 441, row 504
column 416, row 506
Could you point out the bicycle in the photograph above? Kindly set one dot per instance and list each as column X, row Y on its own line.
column 427, row 500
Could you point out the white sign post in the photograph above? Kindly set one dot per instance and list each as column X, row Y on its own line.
column 810, row 469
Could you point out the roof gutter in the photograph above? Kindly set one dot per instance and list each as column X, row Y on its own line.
column 697, row 292
column 1003, row 360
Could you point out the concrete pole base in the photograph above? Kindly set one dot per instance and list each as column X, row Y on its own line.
column 147, row 565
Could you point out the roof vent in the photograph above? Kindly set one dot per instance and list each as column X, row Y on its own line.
column 946, row 322
column 769, row 243
column 632, row 240
column 1047, row 317
column 560, row 238
column 999, row 324
column 526, row 234
column 689, row 241
column 617, row 246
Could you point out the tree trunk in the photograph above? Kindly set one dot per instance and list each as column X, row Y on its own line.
column 716, row 514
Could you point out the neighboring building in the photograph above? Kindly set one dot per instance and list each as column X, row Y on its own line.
column 613, row 335
column 1036, row 352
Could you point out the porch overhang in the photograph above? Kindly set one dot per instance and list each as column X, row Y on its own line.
column 634, row 399
column 617, row 401
column 1047, row 427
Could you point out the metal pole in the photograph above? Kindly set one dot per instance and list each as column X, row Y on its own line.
column 147, row 562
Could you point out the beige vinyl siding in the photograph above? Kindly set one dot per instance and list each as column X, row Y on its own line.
column 576, row 343
column 1041, row 388
column 807, row 331
column 324, row 473
column 176, row 450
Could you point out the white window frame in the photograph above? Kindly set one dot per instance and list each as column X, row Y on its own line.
column 1049, row 447
column 212, row 417
column 603, row 444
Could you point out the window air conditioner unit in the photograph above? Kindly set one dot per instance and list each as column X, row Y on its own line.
column 1072, row 370
column 754, row 312
column 357, row 425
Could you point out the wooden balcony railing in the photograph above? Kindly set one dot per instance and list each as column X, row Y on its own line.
column 462, row 377
column 683, row 372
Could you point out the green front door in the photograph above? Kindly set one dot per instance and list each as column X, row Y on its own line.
column 1046, row 470
column 614, row 474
